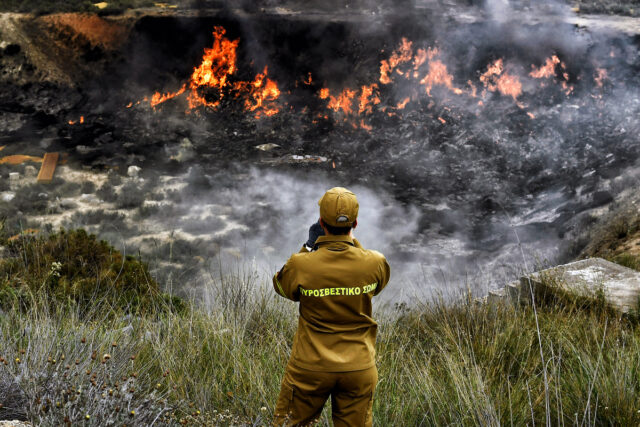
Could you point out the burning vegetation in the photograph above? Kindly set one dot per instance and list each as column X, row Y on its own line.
column 407, row 78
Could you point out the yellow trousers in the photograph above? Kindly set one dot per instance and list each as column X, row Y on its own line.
column 304, row 393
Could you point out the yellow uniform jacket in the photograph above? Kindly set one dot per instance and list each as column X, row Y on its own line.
column 335, row 285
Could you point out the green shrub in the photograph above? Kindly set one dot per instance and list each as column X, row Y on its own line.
column 76, row 268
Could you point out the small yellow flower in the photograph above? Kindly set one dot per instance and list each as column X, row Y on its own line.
column 158, row 385
column 132, row 413
column 17, row 360
column 87, row 416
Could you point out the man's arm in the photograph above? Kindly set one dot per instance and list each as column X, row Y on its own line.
column 284, row 282
column 384, row 272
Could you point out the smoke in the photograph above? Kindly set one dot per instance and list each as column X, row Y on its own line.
column 444, row 184
column 266, row 216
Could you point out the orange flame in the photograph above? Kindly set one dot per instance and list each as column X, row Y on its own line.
column 402, row 55
column 213, row 74
column 309, row 80
column 366, row 100
column 74, row 122
column 402, row 104
column 495, row 79
column 342, row 102
column 159, row 98
column 365, row 126
column 438, row 75
column 600, row 76
column 547, row 70
column 264, row 92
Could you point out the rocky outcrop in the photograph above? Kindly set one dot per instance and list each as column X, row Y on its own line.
column 593, row 278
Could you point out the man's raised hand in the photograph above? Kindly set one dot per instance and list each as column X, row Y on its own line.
column 315, row 231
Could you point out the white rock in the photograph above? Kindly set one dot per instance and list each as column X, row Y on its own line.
column 620, row 286
column 7, row 196
column 133, row 171
column 83, row 149
column 267, row 147
column 89, row 198
column 14, row 176
column 30, row 171
column 185, row 152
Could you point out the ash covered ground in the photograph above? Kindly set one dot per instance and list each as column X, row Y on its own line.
column 462, row 133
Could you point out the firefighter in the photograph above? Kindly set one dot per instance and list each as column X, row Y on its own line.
column 333, row 353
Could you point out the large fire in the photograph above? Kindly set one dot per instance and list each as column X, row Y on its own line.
column 212, row 82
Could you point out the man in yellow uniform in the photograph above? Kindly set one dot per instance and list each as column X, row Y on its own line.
column 333, row 352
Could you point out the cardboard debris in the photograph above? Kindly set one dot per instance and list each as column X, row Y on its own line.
column 18, row 159
column 48, row 168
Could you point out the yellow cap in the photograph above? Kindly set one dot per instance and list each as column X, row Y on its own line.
column 339, row 207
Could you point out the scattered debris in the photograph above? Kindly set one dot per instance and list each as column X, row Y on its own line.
column 83, row 149
column 101, row 5
column 165, row 5
column 133, row 171
column 297, row 159
column 30, row 171
column 267, row 147
column 14, row 180
column 48, row 168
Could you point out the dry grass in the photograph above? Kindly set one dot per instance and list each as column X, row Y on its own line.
column 221, row 363
column 438, row 363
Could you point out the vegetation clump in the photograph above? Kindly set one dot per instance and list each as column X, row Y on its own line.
column 75, row 267
column 618, row 241
column 220, row 363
